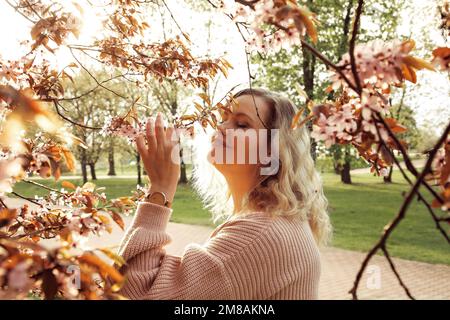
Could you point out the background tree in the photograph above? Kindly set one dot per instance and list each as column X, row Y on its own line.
column 83, row 110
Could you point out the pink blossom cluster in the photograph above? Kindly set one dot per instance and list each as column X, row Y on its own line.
column 347, row 122
column 80, row 212
column 283, row 33
column 122, row 127
column 337, row 126
column 67, row 216
column 379, row 65
column 12, row 71
column 31, row 71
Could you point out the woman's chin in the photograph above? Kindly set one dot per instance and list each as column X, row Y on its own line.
column 211, row 159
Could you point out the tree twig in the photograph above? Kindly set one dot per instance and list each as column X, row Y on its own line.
column 42, row 186
column 3, row 203
column 36, row 232
column 26, row 198
column 352, row 45
column 16, row 8
column 394, row 269
column 58, row 111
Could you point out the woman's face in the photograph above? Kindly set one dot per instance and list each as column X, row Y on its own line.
column 241, row 136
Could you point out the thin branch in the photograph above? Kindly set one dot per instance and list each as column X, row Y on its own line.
column 16, row 8
column 173, row 18
column 58, row 111
column 352, row 45
column 36, row 232
column 26, row 198
column 42, row 186
column 100, row 84
column 90, row 90
column 391, row 264
column 94, row 78
column 249, row 3
column 251, row 90
column 3, row 203
column 34, row 10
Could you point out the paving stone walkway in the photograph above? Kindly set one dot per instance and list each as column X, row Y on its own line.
column 339, row 267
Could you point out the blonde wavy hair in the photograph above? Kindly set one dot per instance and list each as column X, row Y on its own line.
column 295, row 190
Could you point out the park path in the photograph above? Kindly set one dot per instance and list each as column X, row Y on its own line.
column 339, row 267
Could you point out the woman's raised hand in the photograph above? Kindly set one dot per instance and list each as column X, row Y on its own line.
column 161, row 156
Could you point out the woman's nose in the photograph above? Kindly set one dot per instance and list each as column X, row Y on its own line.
column 221, row 128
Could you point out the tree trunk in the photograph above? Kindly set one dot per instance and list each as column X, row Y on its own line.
column 388, row 178
column 183, row 175
column 345, row 173
column 337, row 167
column 83, row 163
column 138, row 167
column 111, row 164
column 92, row 167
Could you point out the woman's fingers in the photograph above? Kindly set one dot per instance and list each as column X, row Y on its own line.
column 170, row 136
column 140, row 144
column 150, row 131
column 159, row 131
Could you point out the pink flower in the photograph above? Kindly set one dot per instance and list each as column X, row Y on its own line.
column 343, row 119
column 9, row 72
column 121, row 127
column 371, row 101
column 323, row 132
column 379, row 64
column 368, row 125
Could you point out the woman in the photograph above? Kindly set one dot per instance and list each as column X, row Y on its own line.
column 268, row 246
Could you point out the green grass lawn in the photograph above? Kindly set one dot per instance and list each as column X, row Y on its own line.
column 358, row 212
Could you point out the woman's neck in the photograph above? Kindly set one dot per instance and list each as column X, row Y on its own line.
column 239, row 186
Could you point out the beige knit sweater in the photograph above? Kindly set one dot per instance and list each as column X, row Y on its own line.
column 249, row 257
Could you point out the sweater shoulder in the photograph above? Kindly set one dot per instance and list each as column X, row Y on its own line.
column 249, row 225
column 238, row 234
column 255, row 232
column 262, row 232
